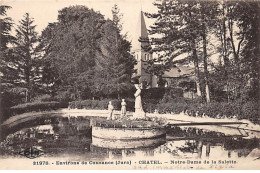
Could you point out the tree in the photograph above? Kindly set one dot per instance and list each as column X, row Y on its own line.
column 5, row 38
column 177, row 23
column 207, row 12
column 5, row 25
column 247, row 17
column 238, row 33
column 117, row 16
column 70, row 51
column 23, row 60
column 114, row 62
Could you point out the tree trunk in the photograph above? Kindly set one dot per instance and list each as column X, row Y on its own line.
column 225, row 56
column 197, row 72
column 205, row 62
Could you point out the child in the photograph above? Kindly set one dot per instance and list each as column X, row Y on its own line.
column 123, row 108
column 110, row 110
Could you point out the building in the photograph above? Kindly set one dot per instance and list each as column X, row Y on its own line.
column 139, row 43
column 140, row 49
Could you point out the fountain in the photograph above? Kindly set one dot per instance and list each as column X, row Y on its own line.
column 134, row 128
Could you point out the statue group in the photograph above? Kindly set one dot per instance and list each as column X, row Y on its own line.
column 139, row 112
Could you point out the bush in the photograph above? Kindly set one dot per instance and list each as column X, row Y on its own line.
column 153, row 93
column 64, row 97
column 174, row 92
column 149, row 105
column 101, row 104
column 160, row 93
column 250, row 110
column 43, row 98
column 175, row 106
column 30, row 107
column 9, row 99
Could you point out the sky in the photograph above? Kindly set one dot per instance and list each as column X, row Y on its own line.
column 46, row 11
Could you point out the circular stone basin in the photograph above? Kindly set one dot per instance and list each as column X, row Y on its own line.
column 126, row 129
column 124, row 144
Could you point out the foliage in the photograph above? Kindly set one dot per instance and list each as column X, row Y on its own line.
column 21, row 65
column 64, row 97
column 43, row 98
column 70, row 47
column 85, row 55
column 114, row 63
column 30, row 107
column 160, row 93
column 5, row 39
column 239, row 110
column 101, row 104
column 5, row 25
column 198, row 30
column 9, row 99
column 250, row 110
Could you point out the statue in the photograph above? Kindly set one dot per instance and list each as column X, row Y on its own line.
column 123, row 108
column 139, row 112
column 110, row 110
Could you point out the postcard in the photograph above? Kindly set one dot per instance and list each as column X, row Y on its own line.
column 129, row 85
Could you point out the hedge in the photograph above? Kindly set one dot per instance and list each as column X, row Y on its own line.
column 30, row 107
column 247, row 110
column 101, row 104
column 239, row 110
column 159, row 93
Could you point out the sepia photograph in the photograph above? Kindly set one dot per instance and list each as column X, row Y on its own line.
column 129, row 85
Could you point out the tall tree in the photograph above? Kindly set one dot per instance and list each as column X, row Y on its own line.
column 177, row 24
column 117, row 17
column 238, row 26
column 114, row 62
column 247, row 17
column 5, row 38
column 207, row 14
column 70, row 51
column 23, row 60
column 5, row 25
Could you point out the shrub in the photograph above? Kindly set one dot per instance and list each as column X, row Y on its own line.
column 153, row 93
column 250, row 110
column 101, row 104
column 175, row 106
column 64, row 97
column 174, row 92
column 7, row 100
column 43, row 98
column 160, row 93
column 149, row 105
column 30, row 107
